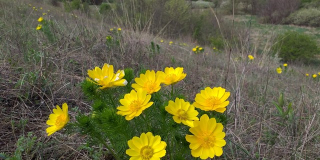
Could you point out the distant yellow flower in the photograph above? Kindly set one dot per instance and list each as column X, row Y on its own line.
column 307, row 74
column 33, row 8
column 39, row 27
column 214, row 99
column 194, row 49
column 111, row 29
column 106, row 78
column 200, row 49
column 58, row 119
column 319, row 73
column 150, row 82
column 40, row 7
column 147, row 147
column 172, row 76
column 314, row 76
column 214, row 48
column 250, row 57
column 207, row 139
column 161, row 41
column 44, row 14
column 134, row 103
column 285, row 65
column 279, row 70
column 182, row 112
column 40, row 19
column 119, row 29
column 170, row 43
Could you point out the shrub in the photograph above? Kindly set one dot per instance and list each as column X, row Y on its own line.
column 295, row 46
column 217, row 42
column 305, row 17
column 104, row 8
column 75, row 4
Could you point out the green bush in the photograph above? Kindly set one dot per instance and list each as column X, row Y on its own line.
column 75, row 4
column 295, row 46
column 104, row 8
column 305, row 17
column 217, row 42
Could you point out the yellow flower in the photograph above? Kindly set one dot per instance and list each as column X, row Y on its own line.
column 200, row 49
column 40, row 19
column 33, row 8
column 319, row 73
column 161, row 41
column 307, row 74
column 214, row 99
column 194, row 49
column 39, row 27
column 207, row 139
column 182, row 112
column 285, row 65
column 170, row 42
column 314, row 76
column 111, row 29
column 44, row 14
column 58, row 119
column 214, row 48
column 250, row 57
column 147, row 147
column 119, row 29
column 150, row 82
column 48, row 10
column 172, row 76
column 106, row 78
column 279, row 70
column 134, row 103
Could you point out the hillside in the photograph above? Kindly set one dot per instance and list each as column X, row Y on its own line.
column 40, row 69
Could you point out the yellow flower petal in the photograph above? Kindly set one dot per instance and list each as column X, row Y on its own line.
column 207, row 139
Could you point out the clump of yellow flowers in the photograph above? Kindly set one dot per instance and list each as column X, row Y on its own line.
column 146, row 95
column 197, row 49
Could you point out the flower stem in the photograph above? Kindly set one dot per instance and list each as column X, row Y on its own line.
column 172, row 92
column 111, row 99
column 107, row 146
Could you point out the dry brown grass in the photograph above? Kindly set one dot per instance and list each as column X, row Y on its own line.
column 254, row 131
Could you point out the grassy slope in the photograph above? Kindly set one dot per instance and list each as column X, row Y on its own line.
column 36, row 74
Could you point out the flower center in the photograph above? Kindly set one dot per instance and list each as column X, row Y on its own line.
column 146, row 152
column 61, row 120
column 182, row 115
column 150, row 86
column 135, row 105
column 212, row 101
column 207, row 141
